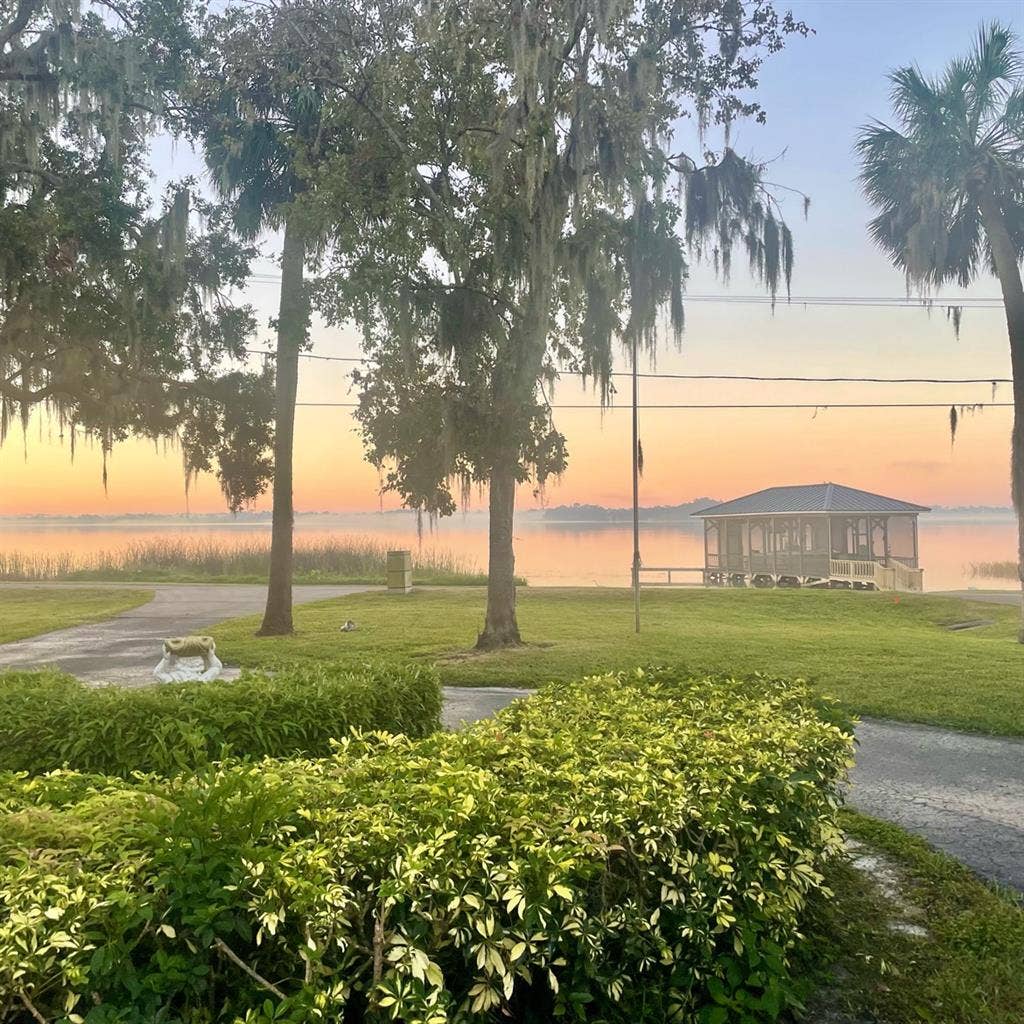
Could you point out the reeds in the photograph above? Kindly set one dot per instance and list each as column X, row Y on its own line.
column 242, row 560
column 1007, row 570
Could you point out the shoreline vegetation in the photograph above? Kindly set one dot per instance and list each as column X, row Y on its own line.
column 1004, row 570
column 574, row 512
column 336, row 560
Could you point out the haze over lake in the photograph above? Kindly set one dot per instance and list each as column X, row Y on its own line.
column 548, row 553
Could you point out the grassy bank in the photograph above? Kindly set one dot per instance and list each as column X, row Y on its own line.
column 236, row 560
column 964, row 969
column 884, row 655
column 28, row 611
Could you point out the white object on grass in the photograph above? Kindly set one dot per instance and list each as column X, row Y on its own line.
column 188, row 659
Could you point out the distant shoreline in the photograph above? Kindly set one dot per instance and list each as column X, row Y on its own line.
column 560, row 516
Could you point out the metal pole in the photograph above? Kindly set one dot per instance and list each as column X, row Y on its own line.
column 636, row 493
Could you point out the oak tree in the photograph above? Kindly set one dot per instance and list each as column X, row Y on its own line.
column 529, row 211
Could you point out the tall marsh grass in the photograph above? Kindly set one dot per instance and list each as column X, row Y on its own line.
column 995, row 570
column 187, row 559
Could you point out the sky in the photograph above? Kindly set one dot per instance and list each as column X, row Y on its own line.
column 817, row 92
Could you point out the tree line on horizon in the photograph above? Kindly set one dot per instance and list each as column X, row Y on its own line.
column 494, row 194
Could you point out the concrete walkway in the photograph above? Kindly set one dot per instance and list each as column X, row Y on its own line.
column 986, row 596
column 962, row 792
column 124, row 649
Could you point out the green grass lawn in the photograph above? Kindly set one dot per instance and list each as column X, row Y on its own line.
column 29, row 611
column 965, row 970
column 884, row 655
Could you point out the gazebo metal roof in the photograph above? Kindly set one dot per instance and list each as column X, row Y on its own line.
column 809, row 498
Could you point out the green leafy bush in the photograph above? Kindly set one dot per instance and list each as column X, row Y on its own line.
column 625, row 848
column 49, row 720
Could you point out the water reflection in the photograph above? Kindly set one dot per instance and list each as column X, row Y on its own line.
column 547, row 553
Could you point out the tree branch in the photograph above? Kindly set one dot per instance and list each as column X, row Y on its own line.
column 14, row 75
column 27, row 1003
column 120, row 10
column 26, row 8
column 240, row 963
column 40, row 172
column 388, row 129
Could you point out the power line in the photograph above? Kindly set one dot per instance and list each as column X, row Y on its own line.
column 823, row 406
column 936, row 302
column 307, row 355
column 725, row 376
column 939, row 300
column 821, row 380
column 927, row 304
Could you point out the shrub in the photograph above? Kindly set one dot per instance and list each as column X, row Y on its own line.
column 626, row 848
column 49, row 720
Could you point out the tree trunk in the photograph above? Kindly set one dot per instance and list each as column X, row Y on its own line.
column 291, row 333
column 511, row 396
column 1008, row 271
column 500, row 626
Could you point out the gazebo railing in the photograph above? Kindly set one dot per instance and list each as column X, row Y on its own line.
column 854, row 569
column 907, row 578
column 894, row 576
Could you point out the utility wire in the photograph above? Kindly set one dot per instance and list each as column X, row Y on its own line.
column 724, row 376
column 822, row 380
column 307, row 355
column 741, row 405
column 909, row 302
column 721, row 376
column 936, row 302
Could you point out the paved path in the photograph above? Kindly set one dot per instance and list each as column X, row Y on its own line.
column 963, row 792
column 987, row 596
column 125, row 648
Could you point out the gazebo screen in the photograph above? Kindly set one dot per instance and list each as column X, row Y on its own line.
column 799, row 545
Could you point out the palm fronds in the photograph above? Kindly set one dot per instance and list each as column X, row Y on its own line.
column 958, row 138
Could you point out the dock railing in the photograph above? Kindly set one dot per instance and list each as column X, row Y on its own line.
column 668, row 570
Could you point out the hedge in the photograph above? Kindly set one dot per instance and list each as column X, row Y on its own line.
column 625, row 848
column 49, row 720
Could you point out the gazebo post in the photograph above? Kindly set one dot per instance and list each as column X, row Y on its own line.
column 828, row 519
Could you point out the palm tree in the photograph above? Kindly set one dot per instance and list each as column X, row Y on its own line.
column 949, row 185
column 258, row 126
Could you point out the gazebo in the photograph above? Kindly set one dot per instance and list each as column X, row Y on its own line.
column 812, row 535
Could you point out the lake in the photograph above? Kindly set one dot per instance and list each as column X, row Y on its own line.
column 547, row 553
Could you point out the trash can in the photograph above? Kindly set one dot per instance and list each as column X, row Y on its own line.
column 399, row 572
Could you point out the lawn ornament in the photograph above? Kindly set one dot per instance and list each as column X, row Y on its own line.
column 173, row 670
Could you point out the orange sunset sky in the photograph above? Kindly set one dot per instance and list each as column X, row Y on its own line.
column 816, row 93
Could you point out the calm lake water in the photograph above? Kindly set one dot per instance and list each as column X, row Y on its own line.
column 547, row 553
